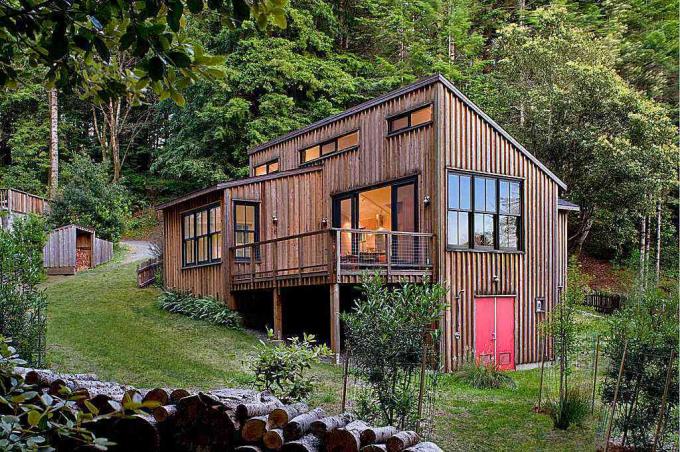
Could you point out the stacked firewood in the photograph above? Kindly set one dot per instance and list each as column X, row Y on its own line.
column 241, row 420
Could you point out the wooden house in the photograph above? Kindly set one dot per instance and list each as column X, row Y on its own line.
column 70, row 249
column 416, row 184
column 16, row 203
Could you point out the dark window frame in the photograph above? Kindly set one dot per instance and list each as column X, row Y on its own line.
column 266, row 165
column 391, row 118
column 208, row 236
column 496, row 215
column 321, row 144
column 256, row 230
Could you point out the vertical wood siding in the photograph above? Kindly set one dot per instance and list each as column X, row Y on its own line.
column 469, row 143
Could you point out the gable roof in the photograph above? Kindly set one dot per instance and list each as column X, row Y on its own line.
column 437, row 78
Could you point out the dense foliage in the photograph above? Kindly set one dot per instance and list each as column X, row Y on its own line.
column 388, row 333
column 199, row 308
column 283, row 367
column 590, row 87
column 647, row 328
column 22, row 302
column 88, row 198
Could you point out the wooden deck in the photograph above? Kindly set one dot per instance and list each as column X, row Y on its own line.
column 331, row 256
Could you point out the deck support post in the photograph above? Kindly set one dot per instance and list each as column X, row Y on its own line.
column 278, row 313
column 335, row 320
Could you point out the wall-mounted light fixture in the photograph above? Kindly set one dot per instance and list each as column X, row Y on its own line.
column 540, row 304
column 275, row 219
column 495, row 279
column 427, row 200
column 324, row 222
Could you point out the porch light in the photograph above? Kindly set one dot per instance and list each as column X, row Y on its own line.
column 275, row 219
column 426, row 200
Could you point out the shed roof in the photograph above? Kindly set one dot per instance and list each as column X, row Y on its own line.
column 76, row 226
column 563, row 204
column 437, row 78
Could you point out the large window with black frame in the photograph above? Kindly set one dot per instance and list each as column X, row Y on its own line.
column 484, row 212
column 202, row 236
column 246, row 227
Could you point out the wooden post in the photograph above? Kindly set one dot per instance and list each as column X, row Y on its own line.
column 540, row 386
column 388, row 251
column 338, row 252
column 597, row 355
column 252, row 264
column 421, row 391
column 278, row 313
column 335, row 320
column 616, row 396
column 662, row 409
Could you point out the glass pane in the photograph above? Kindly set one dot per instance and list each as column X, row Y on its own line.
column 216, row 246
column 398, row 123
column 348, row 141
column 480, row 194
column 491, row 195
column 504, row 196
column 465, row 192
column 311, row 153
column 454, row 195
column 345, row 214
column 273, row 167
column 509, row 232
column 328, row 148
column 483, row 230
column 261, row 170
column 452, row 231
column 406, row 207
column 515, row 199
column 421, row 116
column 189, row 252
column 375, row 209
column 189, row 226
column 202, row 249
column 216, row 219
column 463, row 229
column 250, row 218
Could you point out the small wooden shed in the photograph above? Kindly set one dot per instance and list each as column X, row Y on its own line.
column 73, row 248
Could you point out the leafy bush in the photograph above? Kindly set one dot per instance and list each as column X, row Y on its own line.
column 199, row 308
column 648, row 323
column 89, row 198
column 387, row 333
column 32, row 420
column 483, row 376
column 281, row 368
column 571, row 409
column 22, row 303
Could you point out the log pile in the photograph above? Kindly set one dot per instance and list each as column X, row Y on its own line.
column 173, row 420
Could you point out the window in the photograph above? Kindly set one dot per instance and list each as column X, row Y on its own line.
column 483, row 212
column 246, row 227
column 267, row 168
column 341, row 143
column 410, row 119
column 202, row 236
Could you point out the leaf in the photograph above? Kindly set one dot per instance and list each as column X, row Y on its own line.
column 195, row 6
column 174, row 15
column 91, row 408
column 177, row 97
column 34, row 418
column 82, row 42
column 180, row 59
column 127, row 39
column 102, row 49
column 214, row 4
column 156, row 68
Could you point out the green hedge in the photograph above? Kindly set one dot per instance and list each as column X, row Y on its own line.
column 199, row 308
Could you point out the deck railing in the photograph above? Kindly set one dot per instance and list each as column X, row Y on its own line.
column 21, row 202
column 332, row 253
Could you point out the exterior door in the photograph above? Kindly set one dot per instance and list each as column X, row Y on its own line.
column 495, row 331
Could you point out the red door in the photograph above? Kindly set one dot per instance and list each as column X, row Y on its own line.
column 495, row 331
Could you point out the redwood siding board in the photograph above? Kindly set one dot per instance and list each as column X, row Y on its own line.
column 471, row 144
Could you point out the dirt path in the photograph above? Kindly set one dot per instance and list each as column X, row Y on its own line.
column 137, row 250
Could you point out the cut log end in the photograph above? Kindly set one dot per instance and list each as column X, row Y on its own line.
column 402, row 440
column 273, row 439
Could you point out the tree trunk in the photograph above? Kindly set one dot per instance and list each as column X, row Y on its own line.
column 657, row 259
column 643, row 235
column 54, row 143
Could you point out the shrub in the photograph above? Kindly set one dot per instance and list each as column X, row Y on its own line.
column 281, row 367
column 387, row 333
column 199, row 308
column 22, row 303
column 89, row 198
column 571, row 409
column 483, row 376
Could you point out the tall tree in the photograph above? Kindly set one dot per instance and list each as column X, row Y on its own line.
column 53, row 182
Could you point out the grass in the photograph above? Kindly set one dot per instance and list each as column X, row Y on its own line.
column 98, row 321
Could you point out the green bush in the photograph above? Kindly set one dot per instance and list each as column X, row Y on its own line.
column 281, row 367
column 483, row 376
column 571, row 409
column 89, row 198
column 22, row 303
column 199, row 308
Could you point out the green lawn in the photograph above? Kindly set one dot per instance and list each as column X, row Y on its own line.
column 100, row 322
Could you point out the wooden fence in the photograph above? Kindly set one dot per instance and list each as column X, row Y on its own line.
column 604, row 302
column 102, row 251
column 146, row 272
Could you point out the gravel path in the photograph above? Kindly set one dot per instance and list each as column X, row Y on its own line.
column 138, row 250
